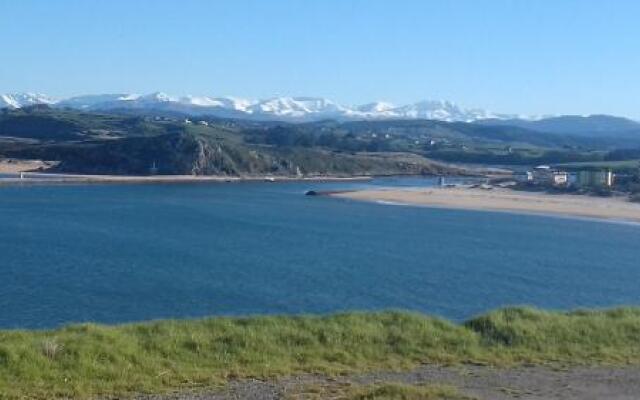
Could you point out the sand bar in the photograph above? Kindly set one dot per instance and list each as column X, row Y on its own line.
column 498, row 199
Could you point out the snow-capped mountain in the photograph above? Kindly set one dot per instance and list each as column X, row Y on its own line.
column 277, row 108
column 378, row 107
column 18, row 100
column 442, row 111
column 231, row 103
column 94, row 100
column 297, row 107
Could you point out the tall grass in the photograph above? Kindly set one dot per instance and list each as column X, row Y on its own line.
column 87, row 360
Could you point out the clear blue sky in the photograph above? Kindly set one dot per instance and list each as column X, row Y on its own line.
column 527, row 56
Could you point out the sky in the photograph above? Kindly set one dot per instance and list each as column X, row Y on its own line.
column 511, row 56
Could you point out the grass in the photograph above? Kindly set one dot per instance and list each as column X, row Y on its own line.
column 388, row 391
column 88, row 360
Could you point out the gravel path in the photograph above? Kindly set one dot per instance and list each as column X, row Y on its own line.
column 485, row 383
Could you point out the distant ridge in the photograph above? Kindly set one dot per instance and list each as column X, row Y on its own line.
column 591, row 125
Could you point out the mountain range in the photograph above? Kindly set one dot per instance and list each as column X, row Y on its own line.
column 277, row 108
column 310, row 109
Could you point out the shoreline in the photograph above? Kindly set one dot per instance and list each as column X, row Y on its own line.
column 31, row 178
column 504, row 200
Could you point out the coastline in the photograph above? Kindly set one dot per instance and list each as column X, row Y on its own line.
column 503, row 200
column 33, row 178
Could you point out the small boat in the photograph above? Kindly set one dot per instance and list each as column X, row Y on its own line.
column 269, row 179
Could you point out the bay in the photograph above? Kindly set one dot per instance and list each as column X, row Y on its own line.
column 120, row 253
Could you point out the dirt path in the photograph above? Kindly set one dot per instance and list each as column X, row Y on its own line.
column 485, row 383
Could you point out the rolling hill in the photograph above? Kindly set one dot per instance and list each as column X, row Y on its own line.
column 134, row 142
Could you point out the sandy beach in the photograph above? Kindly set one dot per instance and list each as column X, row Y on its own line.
column 508, row 200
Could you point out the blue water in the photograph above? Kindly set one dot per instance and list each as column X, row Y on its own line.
column 113, row 253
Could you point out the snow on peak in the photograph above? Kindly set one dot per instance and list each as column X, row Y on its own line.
column 376, row 107
column 18, row 100
column 92, row 100
column 432, row 109
column 202, row 101
column 298, row 108
column 231, row 103
column 157, row 97
column 7, row 100
column 237, row 103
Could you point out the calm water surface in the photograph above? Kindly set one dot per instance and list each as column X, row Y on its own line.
column 113, row 253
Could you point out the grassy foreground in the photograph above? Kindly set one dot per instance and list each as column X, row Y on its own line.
column 88, row 360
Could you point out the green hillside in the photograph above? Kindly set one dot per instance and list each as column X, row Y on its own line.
column 135, row 144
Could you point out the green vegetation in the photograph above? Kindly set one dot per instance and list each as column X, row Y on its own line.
column 43, row 123
column 88, row 359
column 483, row 154
column 389, row 391
column 131, row 144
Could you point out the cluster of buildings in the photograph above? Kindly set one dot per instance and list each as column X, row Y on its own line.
column 545, row 175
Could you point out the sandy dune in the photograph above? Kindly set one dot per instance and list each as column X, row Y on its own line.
column 614, row 208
